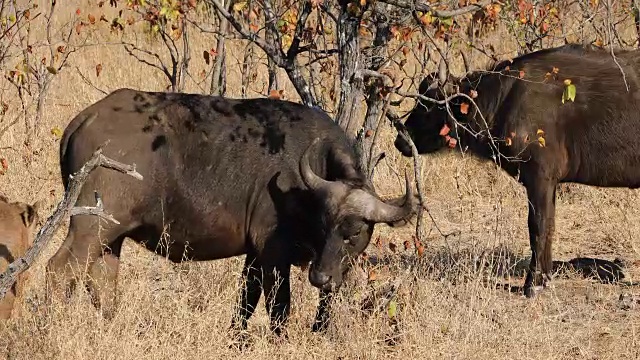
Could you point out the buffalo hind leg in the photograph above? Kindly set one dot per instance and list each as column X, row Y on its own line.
column 322, row 315
column 103, row 279
column 541, row 221
column 250, row 292
column 76, row 256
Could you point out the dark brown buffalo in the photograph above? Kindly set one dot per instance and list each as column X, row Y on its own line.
column 594, row 140
column 222, row 178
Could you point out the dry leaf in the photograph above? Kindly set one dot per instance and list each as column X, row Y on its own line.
column 464, row 108
column 4, row 166
column 98, row 69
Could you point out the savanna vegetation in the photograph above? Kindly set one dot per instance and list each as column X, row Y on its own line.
column 439, row 289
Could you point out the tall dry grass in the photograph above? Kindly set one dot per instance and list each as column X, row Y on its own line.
column 452, row 304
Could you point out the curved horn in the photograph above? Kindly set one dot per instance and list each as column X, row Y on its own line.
column 374, row 209
column 313, row 181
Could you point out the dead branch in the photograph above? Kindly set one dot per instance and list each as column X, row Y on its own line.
column 65, row 208
column 275, row 53
column 613, row 55
column 424, row 6
column 88, row 82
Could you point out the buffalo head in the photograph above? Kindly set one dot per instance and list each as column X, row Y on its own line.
column 350, row 209
column 430, row 124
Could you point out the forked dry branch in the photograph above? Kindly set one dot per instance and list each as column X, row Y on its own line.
column 66, row 208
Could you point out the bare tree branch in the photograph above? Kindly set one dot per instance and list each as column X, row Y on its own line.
column 65, row 208
column 424, row 6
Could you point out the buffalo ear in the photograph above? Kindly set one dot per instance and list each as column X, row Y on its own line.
column 29, row 213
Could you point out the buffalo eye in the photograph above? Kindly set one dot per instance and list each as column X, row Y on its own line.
column 351, row 230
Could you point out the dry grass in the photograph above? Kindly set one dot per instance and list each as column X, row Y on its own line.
column 449, row 307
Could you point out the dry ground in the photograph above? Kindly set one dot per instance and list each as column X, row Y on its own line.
column 449, row 308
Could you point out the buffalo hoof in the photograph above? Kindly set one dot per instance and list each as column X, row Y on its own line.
column 241, row 341
column 320, row 326
column 532, row 291
column 534, row 284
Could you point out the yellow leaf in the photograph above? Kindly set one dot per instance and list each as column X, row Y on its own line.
column 392, row 310
column 56, row 132
column 286, row 41
column 540, row 132
column 239, row 6
column 541, row 141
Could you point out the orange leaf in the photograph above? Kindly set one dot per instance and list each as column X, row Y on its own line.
column 4, row 164
column 368, row 133
column 78, row 28
column 372, row 275
column 275, row 94
column 420, row 249
column 78, row 11
column 98, row 69
column 378, row 242
column 521, row 74
column 92, row 19
column 464, row 108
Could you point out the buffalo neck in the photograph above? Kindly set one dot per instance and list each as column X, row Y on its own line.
column 483, row 122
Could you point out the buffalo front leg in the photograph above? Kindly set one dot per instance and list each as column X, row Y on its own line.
column 251, row 290
column 277, row 291
column 541, row 221
column 322, row 315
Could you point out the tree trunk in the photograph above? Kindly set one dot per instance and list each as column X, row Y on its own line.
column 636, row 19
column 350, row 88
column 219, row 78
column 375, row 102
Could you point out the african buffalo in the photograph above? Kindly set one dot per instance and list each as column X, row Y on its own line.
column 17, row 224
column 275, row 180
column 524, row 125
